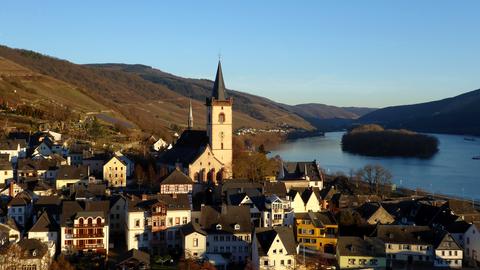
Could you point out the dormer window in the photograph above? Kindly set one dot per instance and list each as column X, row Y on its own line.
column 218, row 227
column 237, row 227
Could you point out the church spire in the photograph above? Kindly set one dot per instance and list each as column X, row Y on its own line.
column 218, row 91
column 190, row 116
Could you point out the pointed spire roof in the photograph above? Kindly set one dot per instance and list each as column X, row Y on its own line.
column 219, row 91
column 190, row 116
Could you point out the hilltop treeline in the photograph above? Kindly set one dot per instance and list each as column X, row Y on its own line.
column 373, row 140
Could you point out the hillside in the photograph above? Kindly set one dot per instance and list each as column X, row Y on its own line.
column 255, row 106
column 150, row 106
column 457, row 115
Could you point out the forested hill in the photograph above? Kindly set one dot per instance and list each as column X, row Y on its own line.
column 456, row 115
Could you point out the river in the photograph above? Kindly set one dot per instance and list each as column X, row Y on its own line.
column 451, row 171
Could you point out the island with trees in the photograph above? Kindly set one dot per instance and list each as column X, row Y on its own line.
column 374, row 140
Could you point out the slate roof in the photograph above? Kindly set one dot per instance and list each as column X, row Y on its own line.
column 18, row 201
column 258, row 201
column 266, row 236
column 72, row 172
column 219, row 91
column 177, row 202
column 319, row 219
column 70, row 209
column 134, row 254
column 277, row 188
column 12, row 144
column 36, row 164
column 190, row 145
column 45, row 224
column 299, row 170
column 445, row 241
column 227, row 217
column 28, row 246
column 192, row 227
column 358, row 246
column 177, row 178
column 458, row 227
column 405, row 234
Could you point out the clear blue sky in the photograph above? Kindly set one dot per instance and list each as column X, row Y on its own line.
column 346, row 53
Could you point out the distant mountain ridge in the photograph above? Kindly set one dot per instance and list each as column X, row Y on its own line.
column 455, row 115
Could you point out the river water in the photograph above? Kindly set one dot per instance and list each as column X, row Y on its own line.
column 451, row 171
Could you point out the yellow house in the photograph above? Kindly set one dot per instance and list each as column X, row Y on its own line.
column 115, row 172
column 360, row 253
column 317, row 231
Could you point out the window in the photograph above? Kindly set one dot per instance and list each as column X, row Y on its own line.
column 137, row 222
column 282, row 262
column 289, row 261
column 265, row 262
column 195, row 242
column 221, row 118
column 351, row 261
column 184, row 220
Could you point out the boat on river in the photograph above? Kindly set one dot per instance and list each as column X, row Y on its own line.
column 476, row 157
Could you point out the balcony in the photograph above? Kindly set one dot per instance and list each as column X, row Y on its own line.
column 88, row 235
column 89, row 225
column 89, row 246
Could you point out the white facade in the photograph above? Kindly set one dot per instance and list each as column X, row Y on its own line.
column 136, row 234
column 448, row 258
column 6, row 175
column 402, row 252
column 219, row 130
column 195, row 245
column 20, row 213
column 174, row 221
column 117, row 216
column 278, row 212
column 92, row 235
column 472, row 243
column 276, row 257
column 14, row 154
column 115, row 172
column 50, row 238
column 238, row 244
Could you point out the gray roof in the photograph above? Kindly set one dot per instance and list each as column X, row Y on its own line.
column 32, row 248
column 299, row 170
column 70, row 209
column 266, row 236
column 187, row 149
column 405, row 234
column 192, row 227
column 72, row 172
column 219, row 91
column 134, row 254
column 319, row 219
column 357, row 246
column 274, row 188
column 177, row 177
column 227, row 217
column 36, row 164
column 44, row 224
column 12, row 144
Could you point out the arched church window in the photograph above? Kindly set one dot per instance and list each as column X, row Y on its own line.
column 221, row 118
column 221, row 145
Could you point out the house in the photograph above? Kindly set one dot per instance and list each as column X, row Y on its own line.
column 176, row 183
column 472, row 244
column 448, row 253
column 132, row 260
column 255, row 202
column 44, row 149
column 301, row 174
column 46, row 229
column 20, row 209
column 95, row 163
column 118, row 204
column 316, row 231
column 278, row 212
column 6, row 172
column 84, row 227
column 355, row 252
column 45, row 169
column 374, row 213
column 130, row 164
column 14, row 148
column 43, row 188
column 205, row 155
column 115, row 172
column 305, row 200
column 274, row 248
column 26, row 254
column 194, row 240
column 50, row 204
column 159, row 145
column 69, row 175
column 9, row 232
column 153, row 222
column 407, row 244
column 11, row 189
column 228, row 232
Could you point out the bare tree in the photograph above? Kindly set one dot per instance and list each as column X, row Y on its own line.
column 376, row 176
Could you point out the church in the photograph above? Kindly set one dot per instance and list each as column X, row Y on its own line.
column 205, row 155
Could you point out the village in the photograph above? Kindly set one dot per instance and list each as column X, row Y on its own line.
column 63, row 202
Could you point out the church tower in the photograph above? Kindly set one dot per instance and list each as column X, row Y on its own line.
column 219, row 123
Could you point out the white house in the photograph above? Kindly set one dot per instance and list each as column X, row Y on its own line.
column 472, row 243
column 46, row 230
column 115, row 172
column 305, row 200
column 69, row 175
column 274, row 248
column 160, row 144
column 15, row 149
column 278, row 212
column 6, row 172
column 194, row 240
column 20, row 209
column 448, row 253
